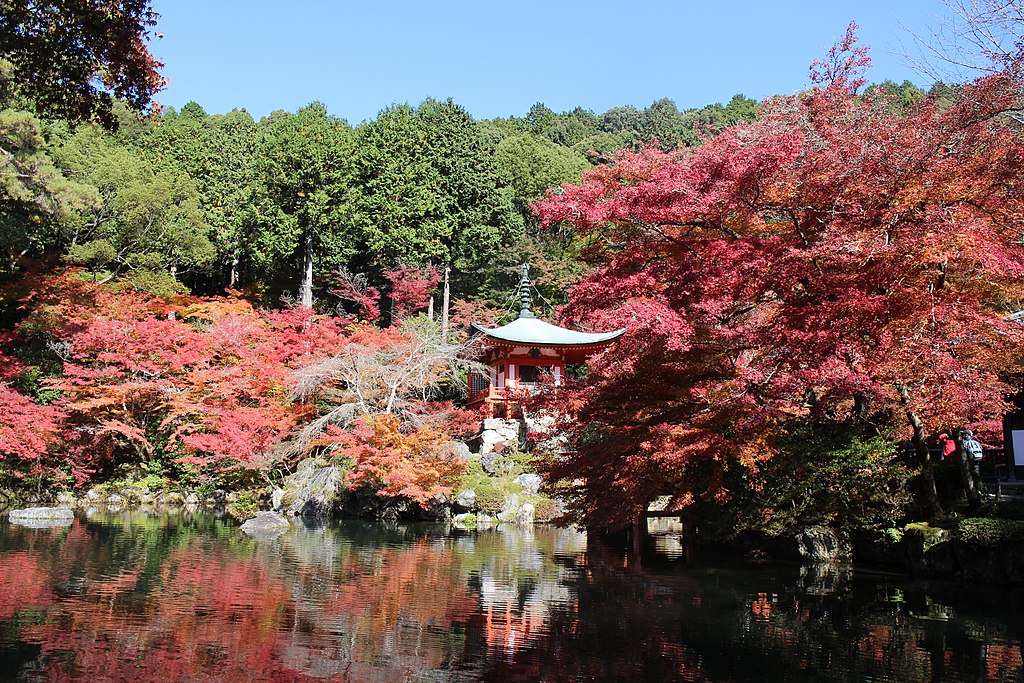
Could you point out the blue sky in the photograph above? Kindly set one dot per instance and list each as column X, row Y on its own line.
column 498, row 58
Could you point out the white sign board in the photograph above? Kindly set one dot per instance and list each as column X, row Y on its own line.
column 1017, row 438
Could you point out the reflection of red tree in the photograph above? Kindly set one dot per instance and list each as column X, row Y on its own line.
column 1002, row 662
column 208, row 611
column 876, row 642
column 395, row 599
column 215, row 616
column 761, row 608
column 23, row 585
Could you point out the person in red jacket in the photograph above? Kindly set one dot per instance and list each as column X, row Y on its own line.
column 948, row 445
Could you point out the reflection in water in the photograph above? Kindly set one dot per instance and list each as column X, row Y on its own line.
column 144, row 598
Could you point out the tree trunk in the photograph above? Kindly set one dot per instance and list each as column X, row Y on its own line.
column 233, row 276
column 966, row 477
column 306, row 286
column 931, row 494
column 444, row 306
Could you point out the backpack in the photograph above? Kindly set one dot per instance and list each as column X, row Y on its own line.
column 973, row 448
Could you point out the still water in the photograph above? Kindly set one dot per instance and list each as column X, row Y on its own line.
column 189, row 598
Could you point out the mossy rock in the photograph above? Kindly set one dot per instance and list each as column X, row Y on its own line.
column 930, row 535
column 927, row 549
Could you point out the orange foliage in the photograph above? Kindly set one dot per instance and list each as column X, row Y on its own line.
column 416, row 463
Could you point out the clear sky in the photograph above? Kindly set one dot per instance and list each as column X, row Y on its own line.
column 498, row 58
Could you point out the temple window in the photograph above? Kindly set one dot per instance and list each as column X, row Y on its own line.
column 530, row 374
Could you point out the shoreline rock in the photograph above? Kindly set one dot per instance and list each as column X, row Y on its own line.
column 42, row 517
column 266, row 525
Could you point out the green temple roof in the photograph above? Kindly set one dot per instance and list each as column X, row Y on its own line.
column 527, row 330
column 534, row 332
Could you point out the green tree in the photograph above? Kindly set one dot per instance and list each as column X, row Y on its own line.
column 35, row 197
column 298, row 218
column 426, row 188
column 533, row 164
column 219, row 154
column 541, row 118
column 901, row 97
column 740, row 108
column 664, row 121
column 621, row 120
column 572, row 126
column 148, row 221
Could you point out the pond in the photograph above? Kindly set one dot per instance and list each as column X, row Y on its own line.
column 135, row 597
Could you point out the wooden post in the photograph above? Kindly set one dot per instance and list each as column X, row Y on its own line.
column 689, row 538
column 639, row 535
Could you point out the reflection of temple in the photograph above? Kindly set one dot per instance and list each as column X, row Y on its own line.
column 520, row 354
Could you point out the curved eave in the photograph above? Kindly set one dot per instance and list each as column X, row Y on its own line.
column 533, row 332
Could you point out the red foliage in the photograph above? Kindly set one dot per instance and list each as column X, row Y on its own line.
column 845, row 65
column 145, row 376
column 26, row 432
column 212, row 382
column 831, row 258
column 354, row 289
column 410, row 289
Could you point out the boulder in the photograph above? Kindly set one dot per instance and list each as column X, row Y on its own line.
column 497, row 433
column 530, row 483
column 509, row 509
column 495, row 423
column 467, row 520
column 823, row 544
column 266, row 525
column 460, row 449
column 438, row 511
column 66, row 499
column 489, row 462
column 491, row 441
column 116, row 501
column 36, row 514
column 171, row 498
column 313, row 491
column 542, row 435
column 217, row 498
column 524, row 515
column 466, row 499
column 392, row 510
column 130, row 494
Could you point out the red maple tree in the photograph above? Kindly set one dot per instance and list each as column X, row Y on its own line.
column 830, row 259
column 410, row 289
column 202, row 381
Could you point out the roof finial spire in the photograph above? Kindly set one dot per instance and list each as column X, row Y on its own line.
column 525, row 299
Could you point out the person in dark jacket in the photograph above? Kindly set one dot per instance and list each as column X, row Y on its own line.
column 972, row 449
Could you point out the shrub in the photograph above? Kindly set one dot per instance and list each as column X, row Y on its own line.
column 245, row 506
column 988, row 531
